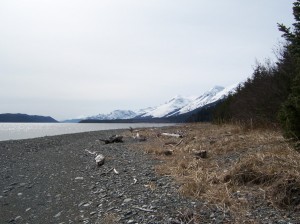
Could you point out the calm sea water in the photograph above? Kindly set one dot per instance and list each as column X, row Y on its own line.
column 13, row 131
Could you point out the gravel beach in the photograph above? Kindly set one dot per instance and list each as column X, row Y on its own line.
column 56, row 180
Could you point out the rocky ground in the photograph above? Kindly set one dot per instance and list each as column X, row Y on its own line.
column 56, row 180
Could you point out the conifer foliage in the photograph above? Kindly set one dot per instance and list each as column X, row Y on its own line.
column 289, row 114
column 272, row 94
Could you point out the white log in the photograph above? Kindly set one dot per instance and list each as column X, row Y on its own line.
column 172, row 135
column 100, row 159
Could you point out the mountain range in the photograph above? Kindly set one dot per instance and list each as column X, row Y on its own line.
column 25, row 118
column 179, row 105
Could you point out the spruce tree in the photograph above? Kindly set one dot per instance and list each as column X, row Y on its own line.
column 289, row 114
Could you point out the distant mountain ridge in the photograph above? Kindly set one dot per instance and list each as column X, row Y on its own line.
column 26, row 118
column 176, row 107
column 114, row 115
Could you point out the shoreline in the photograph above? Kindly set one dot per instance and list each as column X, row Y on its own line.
column 22, row 131
column 54, row 179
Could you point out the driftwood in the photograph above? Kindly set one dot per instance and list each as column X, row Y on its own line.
column 200, row 154
column 100, row 159
column 140, row 138
column 113, row 139
column 172, row 135
column 144, row 209
column 173, row 144
column 167, row 152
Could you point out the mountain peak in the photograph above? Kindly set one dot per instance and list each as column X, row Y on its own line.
column 177, row 105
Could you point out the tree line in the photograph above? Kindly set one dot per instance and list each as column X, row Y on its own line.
column 271, row 96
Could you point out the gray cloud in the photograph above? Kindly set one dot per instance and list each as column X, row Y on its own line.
column 66, row 58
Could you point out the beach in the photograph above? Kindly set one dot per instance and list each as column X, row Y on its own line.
column 56, row 180
column 243, row 177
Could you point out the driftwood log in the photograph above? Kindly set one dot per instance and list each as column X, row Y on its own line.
column 100, row 159
column 140, row 138
column 113, row 139
column 200, row 154
column 172, row 135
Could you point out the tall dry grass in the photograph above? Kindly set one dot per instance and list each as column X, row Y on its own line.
column 240, row 162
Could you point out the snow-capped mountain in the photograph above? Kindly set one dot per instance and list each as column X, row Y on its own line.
column 167, row 108
column 116, row 114
column 177, row 106
column 211, row 96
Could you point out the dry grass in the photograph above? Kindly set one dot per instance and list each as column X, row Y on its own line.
column 240, row 162
column 109, row 218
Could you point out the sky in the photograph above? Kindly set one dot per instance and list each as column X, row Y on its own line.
column 68, row 58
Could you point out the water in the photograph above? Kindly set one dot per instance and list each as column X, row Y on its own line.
column 14, row 131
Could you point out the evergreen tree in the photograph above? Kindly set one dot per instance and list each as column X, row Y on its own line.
column 289, row 114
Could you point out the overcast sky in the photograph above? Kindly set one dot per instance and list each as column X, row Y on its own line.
column 67, row 58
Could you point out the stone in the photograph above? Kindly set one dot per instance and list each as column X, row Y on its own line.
column 57, row 215
column 127, row 200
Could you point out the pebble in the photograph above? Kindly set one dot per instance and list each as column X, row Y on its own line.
column 86, row 205
column 93, row 213
column 57, row 215
column 127, row 200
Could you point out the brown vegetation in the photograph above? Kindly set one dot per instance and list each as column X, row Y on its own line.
column 242, row 168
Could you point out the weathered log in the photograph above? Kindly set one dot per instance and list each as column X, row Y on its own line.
column 113, row 139
column 100, row 159
column 140, row 138
column 168, row 152
column 200, row 154
column 172, row 135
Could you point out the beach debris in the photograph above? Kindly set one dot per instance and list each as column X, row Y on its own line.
column 200, row 154
column 173, row 143
column 100, row 159
column 78, row 178
column 168, row 152
column 134, row 180
column 115, row 171
column 113, row 139
column 88, row 151
column 144, row 209
column 172, row 135
column 139, row 137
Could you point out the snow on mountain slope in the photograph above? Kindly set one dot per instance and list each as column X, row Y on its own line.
column 213, row 95
column 176, row 106
column 116, row 114
column 169, row 107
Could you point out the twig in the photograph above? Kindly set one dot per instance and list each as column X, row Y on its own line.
column 144, row 209
column 92, row 153
column 179, row 142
